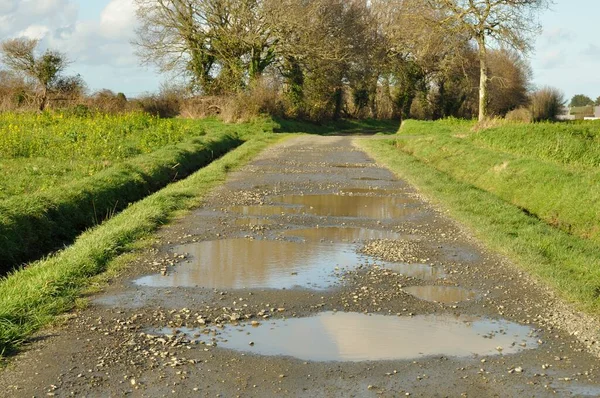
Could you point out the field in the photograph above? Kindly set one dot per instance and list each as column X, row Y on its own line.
column 531, row 191
column 40, row 151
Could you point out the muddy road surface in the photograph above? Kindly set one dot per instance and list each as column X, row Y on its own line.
column 314, row 272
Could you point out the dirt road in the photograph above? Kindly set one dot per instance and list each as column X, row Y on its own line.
column 314, row 272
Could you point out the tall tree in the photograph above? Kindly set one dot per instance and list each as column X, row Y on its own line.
column 491, row 22
column 20, row 55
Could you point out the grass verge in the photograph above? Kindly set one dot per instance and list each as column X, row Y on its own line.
column 564, row 196
column 565, row 262
column 31, row 297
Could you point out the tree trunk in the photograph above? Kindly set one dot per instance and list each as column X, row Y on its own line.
column 44, row 100
column 483, row 79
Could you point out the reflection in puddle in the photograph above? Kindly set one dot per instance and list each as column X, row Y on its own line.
column 246, row 263
column 340, row 234
column 368, row 191
column 579, row 390
column 441, row 294
column 351, row 206
column 359, row 337
column 265, row 211
column 421, row 271
column 250, row 221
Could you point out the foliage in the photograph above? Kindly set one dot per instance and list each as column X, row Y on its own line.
column 546, row 103
column 19, row 55
column 581, row 100
column 338, row 58
column 522, row 115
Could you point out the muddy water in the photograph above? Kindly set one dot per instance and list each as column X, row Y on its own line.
column 441, row 294
column 247, row 263
column 265, row 211
column 421, row 271
column 377, row 207
column 250, row 221
column 358, row 337
column 369, row 191
column 341, row 234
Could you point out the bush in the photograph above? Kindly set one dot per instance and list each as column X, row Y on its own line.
column 261, row 98
column 522, row 115
column 546, row 103
column 201, row 107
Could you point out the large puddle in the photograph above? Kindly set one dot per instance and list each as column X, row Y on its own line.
column 358, row 337
column 378, row 207
column 441, row 294
column 247, row 263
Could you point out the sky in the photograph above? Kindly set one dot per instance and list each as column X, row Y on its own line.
column 96, row 35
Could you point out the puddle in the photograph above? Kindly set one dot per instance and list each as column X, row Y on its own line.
column 341, row 234
column 251, row 221
column 367, row 191
column 441, row 294
column 358, row 337
column 265, row 211
column 246, row 263
column 421, row 271
column 371, row 179
column 579, row 390
column 351, row 206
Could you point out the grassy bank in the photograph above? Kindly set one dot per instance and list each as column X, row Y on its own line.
column 568, row 263
column 33, row 225
column 104, row 163
column 40, row 151
column 30, row 297
column 544, row 169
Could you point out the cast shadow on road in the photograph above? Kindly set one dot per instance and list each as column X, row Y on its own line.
column 342, row 127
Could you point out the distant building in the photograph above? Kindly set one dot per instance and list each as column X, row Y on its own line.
column 596, row 114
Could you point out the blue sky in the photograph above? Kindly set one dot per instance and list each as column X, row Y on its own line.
column 95, row 34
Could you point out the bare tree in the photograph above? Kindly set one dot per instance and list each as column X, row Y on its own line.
column 222, row 44
column 489, row 22
column 19, row 55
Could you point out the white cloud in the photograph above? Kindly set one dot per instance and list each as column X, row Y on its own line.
column 34, row 32
column 118, row 19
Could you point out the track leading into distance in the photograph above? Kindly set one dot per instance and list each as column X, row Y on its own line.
column 312, row 272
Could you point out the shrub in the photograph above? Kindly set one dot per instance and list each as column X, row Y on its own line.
column 522, row 115
column 262, row 97
column 546, row 103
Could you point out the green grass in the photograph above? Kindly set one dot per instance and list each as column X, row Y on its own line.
column 41, row 151
column 567, row 143
column 143, row 153
column 567, row 263
column 511, row 164
column 33, row 225
column 31, row 297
